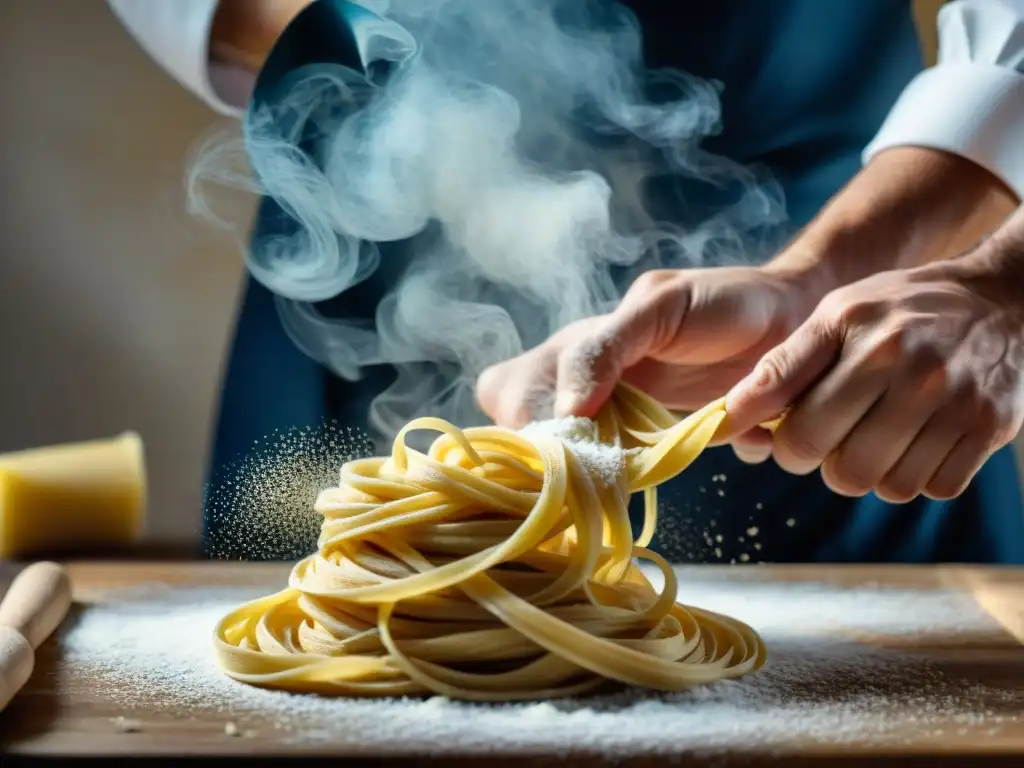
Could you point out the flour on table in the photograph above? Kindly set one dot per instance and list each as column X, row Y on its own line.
column 150, row 651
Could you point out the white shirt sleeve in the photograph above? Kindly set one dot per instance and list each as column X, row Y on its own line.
column 972, row 102
column 176, row 33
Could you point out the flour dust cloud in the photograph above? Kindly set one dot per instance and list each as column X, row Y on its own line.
column 261, row 507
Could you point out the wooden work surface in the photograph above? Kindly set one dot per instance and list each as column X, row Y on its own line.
column 65, row 711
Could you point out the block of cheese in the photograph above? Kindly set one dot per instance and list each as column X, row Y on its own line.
column 75, row 497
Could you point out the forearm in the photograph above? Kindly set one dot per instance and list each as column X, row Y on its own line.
column 909, row 206
column 245, row 31
column 946, row 166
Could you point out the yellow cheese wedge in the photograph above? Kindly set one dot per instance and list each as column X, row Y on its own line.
column 72, row 498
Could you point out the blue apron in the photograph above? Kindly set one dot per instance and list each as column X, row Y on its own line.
column 807, row 83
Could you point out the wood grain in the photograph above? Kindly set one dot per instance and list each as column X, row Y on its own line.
column 48, row 722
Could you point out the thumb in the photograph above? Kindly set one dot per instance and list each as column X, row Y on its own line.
column 782, row 376
column 589, row 369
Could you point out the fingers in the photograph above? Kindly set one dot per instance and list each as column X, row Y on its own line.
column 783, row 375
column 913, row 470
column 872, row 412
column 753, row 447
column 817, row 425
column 959, row 467
column 488, row 391
column 887, row 455
column 572, row 373
column 589, row 368
column 877, row 442
column 516, row 392
column 929, row 434
column 578, row 367
column 940, row 463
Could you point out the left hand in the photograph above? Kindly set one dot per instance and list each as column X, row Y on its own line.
column 903, row 383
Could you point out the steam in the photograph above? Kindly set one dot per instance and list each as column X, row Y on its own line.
column 495, row 161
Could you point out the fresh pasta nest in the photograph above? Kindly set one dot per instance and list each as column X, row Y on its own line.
column 497, row 566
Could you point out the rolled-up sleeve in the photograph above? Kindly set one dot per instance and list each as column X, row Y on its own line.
column 971, row 103
column 176, row 34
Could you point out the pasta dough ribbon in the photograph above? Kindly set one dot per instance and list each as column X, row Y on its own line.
column 496, row 566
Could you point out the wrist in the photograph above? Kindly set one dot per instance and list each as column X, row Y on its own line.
column 995, row 268
column 810, row 264
column 245, row 31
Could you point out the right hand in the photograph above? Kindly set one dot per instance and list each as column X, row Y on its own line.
column 685, row 337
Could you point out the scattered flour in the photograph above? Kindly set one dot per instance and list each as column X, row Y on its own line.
column 262, row 507
column 150, row 650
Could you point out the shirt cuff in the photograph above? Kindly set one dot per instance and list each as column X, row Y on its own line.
column 972, row 110
column 177, row 35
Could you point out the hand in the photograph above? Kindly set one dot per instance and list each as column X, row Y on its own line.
column 683, row 336
column 903, row 383
column 687, row 336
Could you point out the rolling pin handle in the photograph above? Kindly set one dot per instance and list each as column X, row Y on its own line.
column 37, row 601
column 17, row 660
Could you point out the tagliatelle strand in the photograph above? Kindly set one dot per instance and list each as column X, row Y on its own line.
column 497, row 566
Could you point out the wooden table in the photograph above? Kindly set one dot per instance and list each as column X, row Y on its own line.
column 971, row 636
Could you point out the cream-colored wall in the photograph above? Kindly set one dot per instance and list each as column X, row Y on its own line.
column 114, row 305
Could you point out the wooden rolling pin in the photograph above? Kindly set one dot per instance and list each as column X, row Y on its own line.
column 34, row 606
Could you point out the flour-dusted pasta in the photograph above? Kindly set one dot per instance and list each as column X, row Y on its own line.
column 499, row 565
